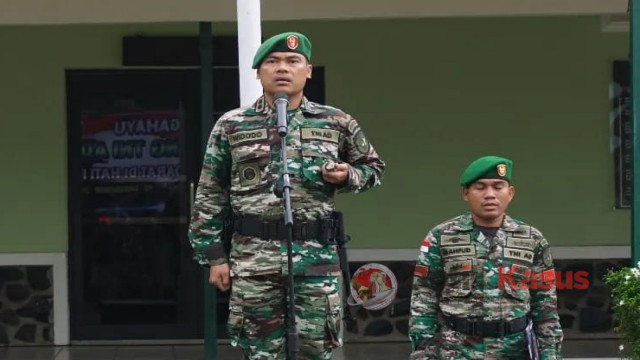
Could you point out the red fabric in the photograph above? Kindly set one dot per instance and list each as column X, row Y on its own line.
column 421, row 270
column 548, row 275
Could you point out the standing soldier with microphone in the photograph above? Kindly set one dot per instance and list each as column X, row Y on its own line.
column 240, row 194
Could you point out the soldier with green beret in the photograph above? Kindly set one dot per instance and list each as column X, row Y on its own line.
column 327, row 153
column 484, row 282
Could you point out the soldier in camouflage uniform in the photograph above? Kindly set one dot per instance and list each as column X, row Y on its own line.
column 327, row 152
column 482, row 276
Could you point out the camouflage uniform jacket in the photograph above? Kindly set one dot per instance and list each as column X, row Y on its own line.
column 457, row 274
column 242, row 166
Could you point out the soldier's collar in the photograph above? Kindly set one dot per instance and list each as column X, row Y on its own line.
column 262, row 107
column 465, row 223
column 309, row 107
column 508, row 224
column 259, row 107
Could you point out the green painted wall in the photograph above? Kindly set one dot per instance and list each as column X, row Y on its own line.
column 432, row 94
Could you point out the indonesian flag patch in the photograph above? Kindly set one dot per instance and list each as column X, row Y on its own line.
column 424, row 247
column 421, row 270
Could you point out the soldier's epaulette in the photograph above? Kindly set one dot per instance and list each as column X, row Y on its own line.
column 523, row 231
column 249, row 111
column 536, row 234
column 326, row 110
column 451, row 224
column 235, row 113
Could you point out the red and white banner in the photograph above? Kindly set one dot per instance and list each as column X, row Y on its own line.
column 139, row 146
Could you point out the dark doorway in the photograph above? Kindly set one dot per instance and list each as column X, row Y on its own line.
column 134, row 155
column 130, row 170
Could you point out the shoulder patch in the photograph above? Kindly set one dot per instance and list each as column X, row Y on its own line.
column 421, row 270
column 352, row 126
column 361, row 142
column 547, row 259
column 548, row 276
column 424, row 246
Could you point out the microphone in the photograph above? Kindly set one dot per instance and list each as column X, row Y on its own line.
column 281, row 101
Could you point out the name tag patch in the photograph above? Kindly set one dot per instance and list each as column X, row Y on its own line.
column 450, row 251
column 320, row 134
column 244, row 136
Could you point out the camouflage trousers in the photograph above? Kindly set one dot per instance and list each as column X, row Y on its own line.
column 454, row 345
column 257, row 316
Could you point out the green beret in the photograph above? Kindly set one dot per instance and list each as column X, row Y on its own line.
column 285, row 42
column 487, row 167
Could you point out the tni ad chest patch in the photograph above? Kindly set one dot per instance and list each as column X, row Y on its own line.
column 519, row 255
column 320, row 134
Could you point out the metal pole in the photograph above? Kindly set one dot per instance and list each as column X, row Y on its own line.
column 635, row 113
column 206, row 124
column 206, row 83
column 292, row 341
column 249, row 39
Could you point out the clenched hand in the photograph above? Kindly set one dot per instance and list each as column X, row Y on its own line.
column 338, row 175
column 219, row 276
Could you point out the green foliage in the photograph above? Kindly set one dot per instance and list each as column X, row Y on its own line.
column 625, row 293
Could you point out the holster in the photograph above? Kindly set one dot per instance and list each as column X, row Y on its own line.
column 341, row 239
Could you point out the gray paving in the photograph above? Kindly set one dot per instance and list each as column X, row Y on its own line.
column 582, row 349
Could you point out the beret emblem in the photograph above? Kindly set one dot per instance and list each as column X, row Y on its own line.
column 502, row 169
column 292, row 42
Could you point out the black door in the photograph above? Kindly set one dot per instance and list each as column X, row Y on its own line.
column 134, row 159
column 132, row 140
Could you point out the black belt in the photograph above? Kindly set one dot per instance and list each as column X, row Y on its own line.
column 323, row 230
column 493, row 329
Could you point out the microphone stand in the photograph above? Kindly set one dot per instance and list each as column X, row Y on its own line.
column 281, row 101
